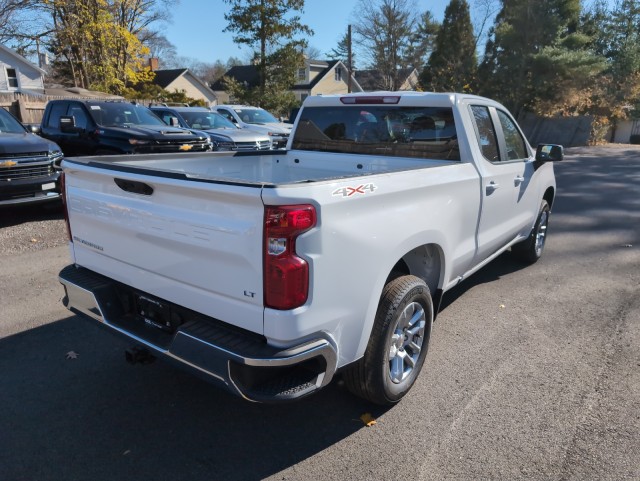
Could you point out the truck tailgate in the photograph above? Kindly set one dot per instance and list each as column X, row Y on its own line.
column 197, row 244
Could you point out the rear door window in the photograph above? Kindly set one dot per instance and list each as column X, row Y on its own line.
column 486, row 133
column 516, row 146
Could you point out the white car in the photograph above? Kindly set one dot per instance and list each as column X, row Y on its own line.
column 258, row 120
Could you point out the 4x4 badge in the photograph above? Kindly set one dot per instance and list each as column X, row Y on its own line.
column 350, row 191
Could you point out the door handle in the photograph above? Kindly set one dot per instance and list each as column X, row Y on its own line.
column 492, row 187
column 518, row 180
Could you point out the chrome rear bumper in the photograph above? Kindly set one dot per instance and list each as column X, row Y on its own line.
column 242, row 362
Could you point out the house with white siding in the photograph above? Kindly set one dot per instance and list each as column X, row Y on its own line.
column 17, row 74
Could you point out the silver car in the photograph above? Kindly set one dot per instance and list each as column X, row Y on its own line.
column 223, row 133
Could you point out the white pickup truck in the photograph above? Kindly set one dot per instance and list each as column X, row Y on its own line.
column 270, row 273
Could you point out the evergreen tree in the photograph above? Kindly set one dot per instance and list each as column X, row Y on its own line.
column 564, row 76
column 622, row 35
column 274, row 33
column 422, row 40
column 453, row 64
column 523, row 29
column 341, row 52
column 615, row 35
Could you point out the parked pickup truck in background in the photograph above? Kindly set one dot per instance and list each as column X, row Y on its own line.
column 28, row 164
column 268, row 273
column 99, row 127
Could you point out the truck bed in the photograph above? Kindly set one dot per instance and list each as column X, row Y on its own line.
column 261, row 169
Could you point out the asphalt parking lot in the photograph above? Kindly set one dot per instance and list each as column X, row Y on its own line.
column 533, row 373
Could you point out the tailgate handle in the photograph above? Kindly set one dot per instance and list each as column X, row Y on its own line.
column 134, row 186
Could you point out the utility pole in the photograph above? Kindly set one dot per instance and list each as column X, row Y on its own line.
column 349, row 59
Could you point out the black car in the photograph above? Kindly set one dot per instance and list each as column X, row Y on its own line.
column 28, row 164
column 96, row 127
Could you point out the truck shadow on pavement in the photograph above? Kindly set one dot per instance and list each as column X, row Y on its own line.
column 97, row 417
column 604, row 194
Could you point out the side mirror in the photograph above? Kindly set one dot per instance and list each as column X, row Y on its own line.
column 68, row 125
column 33, row 128
column 549, row 153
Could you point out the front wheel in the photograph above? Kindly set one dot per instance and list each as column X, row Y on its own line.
column 398, row 344
column 530, row 250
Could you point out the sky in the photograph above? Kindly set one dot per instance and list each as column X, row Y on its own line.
column 197, row 26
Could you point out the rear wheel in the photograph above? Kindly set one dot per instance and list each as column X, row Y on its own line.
column 530, row 250
column 398, row 344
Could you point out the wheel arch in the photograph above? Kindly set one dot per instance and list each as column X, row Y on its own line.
column 422, row 256
column 549, row 196
column 426, row 262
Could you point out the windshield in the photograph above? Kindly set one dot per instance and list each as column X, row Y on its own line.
column 207, row 120
column 255, row 116
column 423, row 132
column 8, row 124
column 122, row 114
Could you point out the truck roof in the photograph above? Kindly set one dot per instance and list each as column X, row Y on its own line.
column 413, row 98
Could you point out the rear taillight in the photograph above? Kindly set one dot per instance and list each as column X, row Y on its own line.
column 63, row 191
column 286, row 276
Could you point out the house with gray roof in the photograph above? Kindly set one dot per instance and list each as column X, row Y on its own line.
column 182, row 79
column 317, row 77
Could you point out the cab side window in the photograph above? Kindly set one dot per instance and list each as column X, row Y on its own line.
column 486, row 133
column 80, row 116
column 57, row 111
column 516, row 146
column 165, row 115
column 227, row 115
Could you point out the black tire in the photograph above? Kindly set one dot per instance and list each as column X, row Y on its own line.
column 371, row 376
column 530, row 250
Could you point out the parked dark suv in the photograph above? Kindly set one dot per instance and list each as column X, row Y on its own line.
column 27, row 164
column 95, row 127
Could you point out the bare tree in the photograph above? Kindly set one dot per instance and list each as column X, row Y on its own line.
column 483, row 13
column 383, row 31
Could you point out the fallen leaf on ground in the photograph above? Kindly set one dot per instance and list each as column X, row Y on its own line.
column 368, row 419
column 34, row 240
column 72, row 355
column 502, row 306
